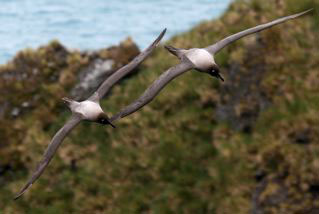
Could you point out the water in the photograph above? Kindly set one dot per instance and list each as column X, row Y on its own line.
column 93, row 24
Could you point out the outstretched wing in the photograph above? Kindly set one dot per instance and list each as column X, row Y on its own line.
column 109, row 82
column 154, row 89
column 53, row 146
column 228, row 40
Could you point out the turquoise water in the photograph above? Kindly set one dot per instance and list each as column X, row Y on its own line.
column 92, row 24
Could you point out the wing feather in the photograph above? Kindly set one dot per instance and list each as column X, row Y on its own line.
column 230, row 39
column 154, row 89
column 49, row 153
column 109, row 82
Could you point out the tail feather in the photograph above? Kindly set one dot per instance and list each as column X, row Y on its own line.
column 174, row 51
column 67, row 101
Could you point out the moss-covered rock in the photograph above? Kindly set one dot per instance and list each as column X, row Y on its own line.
column 34, row 81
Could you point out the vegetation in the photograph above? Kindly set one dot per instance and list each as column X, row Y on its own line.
column 249, row 145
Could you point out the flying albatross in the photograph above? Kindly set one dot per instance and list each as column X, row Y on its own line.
column 89, row 110
column 200, row 59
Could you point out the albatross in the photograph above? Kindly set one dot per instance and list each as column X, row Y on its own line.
column 200, row 59
column 89, row 110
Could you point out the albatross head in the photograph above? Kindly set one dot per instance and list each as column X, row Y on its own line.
column 214, row 71
column 104, row 119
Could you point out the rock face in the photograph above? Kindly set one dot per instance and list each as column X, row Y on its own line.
column 242, row 98
column 103, row 64
column 275, row 194
column 91, row 77
column 57, row 68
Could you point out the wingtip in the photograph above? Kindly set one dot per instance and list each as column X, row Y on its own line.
column 309, row 10
column 22, row 191
column 305, row 12
column 159, row 38
column 161, row 35
column 17, row 196
column 164, row 31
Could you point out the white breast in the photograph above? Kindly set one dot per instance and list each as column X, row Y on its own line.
column 201, row 58
column 89, row 110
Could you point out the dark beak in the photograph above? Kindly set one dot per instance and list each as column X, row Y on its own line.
column 112, row 124
column 218, row 76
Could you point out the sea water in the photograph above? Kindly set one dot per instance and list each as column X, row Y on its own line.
column 94, row 24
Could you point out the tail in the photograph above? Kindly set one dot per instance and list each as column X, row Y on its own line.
column 175, row 51
column 67, row 101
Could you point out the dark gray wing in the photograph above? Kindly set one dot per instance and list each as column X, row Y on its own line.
column 224, row 42
column 53, row 146
column 154, row 89
column 109, row 82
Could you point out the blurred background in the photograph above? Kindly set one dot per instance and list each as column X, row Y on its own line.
column 246, row 145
